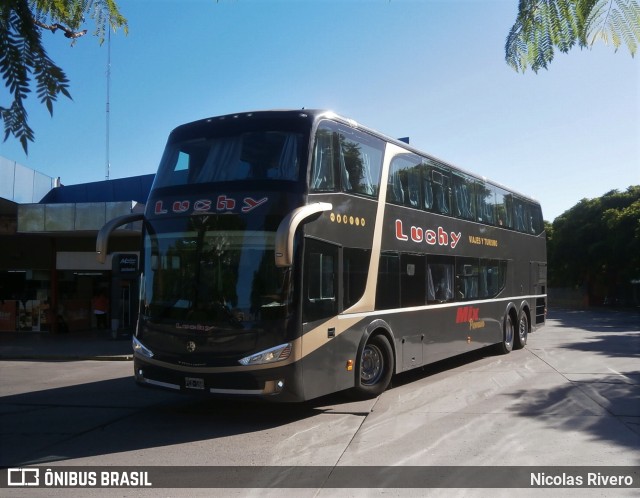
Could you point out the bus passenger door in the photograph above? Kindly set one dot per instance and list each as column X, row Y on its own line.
column 320, row 289
column 412, row 292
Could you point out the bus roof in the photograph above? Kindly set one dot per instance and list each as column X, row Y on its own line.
column 314, row 115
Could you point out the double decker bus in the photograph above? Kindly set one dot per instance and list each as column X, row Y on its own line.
column 292, row 254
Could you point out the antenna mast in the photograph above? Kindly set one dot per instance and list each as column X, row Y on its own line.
column 108, row 163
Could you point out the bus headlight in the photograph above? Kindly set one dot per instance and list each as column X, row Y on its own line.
column 138, row 347
column 271, row 355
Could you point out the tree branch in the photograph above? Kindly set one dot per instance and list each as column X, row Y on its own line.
column 68, row 33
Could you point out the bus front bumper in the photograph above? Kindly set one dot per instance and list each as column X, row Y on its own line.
column 274, row 384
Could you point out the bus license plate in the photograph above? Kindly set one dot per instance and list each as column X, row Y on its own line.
column 193, row 383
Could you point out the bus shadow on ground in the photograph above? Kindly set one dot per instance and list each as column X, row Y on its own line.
column 452, row 363
column 114, row 416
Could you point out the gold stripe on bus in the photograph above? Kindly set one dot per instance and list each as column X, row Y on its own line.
column 319, row 336
column 368, row 300
column 302, row 346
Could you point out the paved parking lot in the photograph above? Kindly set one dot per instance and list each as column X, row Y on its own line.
column 570, row 398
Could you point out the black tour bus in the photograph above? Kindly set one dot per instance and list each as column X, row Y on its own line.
column 291, row 254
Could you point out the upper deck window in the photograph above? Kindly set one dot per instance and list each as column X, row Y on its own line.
column 404, row 180
column 256, row 155
column 346, row 159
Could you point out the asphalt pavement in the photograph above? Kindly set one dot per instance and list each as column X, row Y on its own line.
column 99, row 345
column 70, row 346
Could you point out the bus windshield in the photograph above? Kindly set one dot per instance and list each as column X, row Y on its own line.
column 248, row 155
column 213, row 276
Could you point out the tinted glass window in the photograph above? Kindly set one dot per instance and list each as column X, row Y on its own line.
column 388, row 289
column 346, row 157
column 479, row 279
column 261, row 155
column 320, row 280
column 324, row 161
column 467, row 284
column 486, row 197
column 203, row 273
column 463, row 193
column 440, row 279
column 360, row 163
column 537, row 222
column 437, row 191
column 491, row 277
column 522, row 215
column 413, row 281
column 504, row 215
column 354, row 274
column 405, row 177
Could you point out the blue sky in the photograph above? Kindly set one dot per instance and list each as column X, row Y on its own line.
column 430, row 70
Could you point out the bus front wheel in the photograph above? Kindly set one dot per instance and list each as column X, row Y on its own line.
column 375, row 367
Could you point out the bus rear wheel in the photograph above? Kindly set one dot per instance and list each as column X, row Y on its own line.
column 523, row 331
column 508, row 334
column 375, row 367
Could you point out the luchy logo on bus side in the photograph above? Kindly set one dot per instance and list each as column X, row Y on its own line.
column 221, row 204
column 432, row 237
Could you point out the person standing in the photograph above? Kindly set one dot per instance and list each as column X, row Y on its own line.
column 100, row 305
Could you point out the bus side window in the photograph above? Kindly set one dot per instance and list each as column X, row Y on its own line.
column 490, row 278
column 320, row 280
column 361, row 163
column 322, row 172
column 388, row 288
column 404, row 181
column 427, row 187
column 520, row 214
column 486, row 197
column 537, row 222
column 439, row 279
column 504, row 216
column 439, row 186
column 412, row 280
column 354, row 274
column 464, row 197
column 467, row 282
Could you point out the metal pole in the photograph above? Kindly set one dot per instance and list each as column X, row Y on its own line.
column 108, row 163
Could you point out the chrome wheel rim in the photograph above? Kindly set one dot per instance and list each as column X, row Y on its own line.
column 522, row 330
column 509, row 332
column 372, row 365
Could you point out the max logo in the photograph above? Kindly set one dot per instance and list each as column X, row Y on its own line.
column 221, row 204
column 467, row 314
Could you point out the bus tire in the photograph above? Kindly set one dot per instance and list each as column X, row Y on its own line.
column 375, row 367
column 508, row 333
column 523, row 331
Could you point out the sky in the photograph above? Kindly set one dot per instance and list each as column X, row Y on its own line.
column 430, row 70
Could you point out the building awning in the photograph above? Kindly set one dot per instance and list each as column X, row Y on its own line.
column 74, row 218
column 8, row 208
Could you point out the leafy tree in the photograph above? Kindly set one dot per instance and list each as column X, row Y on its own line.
column 596, row 244
column 23, row 57
column 544, row 25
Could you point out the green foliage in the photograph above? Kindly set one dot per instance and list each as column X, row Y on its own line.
column 597, row 244
column 23, row 58
column 545, row 25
